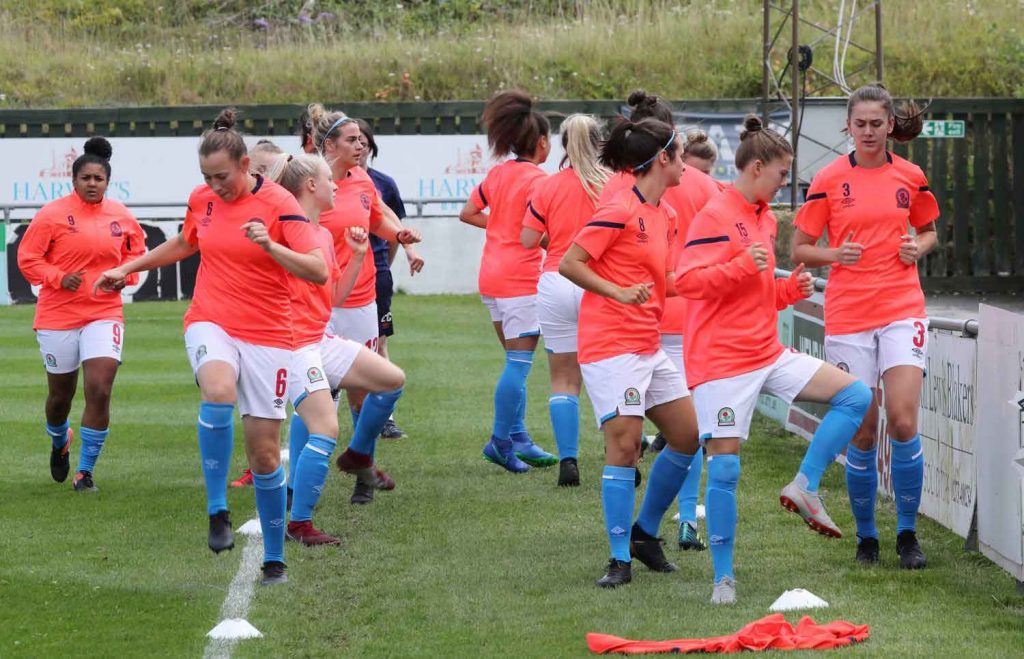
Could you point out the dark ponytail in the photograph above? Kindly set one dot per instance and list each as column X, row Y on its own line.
column 647, row 106
column 633, row 145
column 759, row 143
column 97, row 151
column 513, row 125
column 908, row 122
column 223, row 137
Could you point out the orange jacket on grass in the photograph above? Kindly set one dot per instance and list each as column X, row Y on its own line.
column 559, row 206
column 68, row 235
column 239, row 286
column 877, row 206
column 733, row 308
column 356, row 204
column 769, row 633
column 628, row 242
column 507, row 269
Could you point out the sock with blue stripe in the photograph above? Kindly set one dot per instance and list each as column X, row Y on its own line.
column 298, row 435
column 271, row 500
column 565, row 421
column 862, row 486
column 216, row 440
column 510, row 391
column 58, row 434
column 663, row 483
column 834, row 432
column 691, row 488
column 376, row 410
column 907, row 480
column 720, row 499
column 310, row 471
column 617, row 492
column 92, row 444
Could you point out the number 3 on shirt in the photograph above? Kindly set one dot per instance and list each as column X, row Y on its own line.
column 919, row 335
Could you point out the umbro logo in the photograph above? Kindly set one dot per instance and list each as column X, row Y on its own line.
column 618, row 531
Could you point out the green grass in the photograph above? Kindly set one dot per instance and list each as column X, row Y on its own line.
column 460, row 560
column 65, row 53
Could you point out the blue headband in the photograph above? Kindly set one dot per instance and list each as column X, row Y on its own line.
column 331, row 130
column 671, row 138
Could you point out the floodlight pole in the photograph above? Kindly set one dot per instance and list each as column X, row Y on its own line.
column 794, row 117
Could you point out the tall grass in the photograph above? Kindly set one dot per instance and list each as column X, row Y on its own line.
column 580, row 50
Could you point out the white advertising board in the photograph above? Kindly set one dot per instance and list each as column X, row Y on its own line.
column 1001, row 434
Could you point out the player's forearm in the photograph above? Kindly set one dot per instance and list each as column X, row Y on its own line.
column 715, row 279
column 170, row 252
column 580, row 274
column 813, row 256
column 348, row 278
column 310, row 267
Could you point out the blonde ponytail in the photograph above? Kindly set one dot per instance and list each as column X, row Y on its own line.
column 581, row 137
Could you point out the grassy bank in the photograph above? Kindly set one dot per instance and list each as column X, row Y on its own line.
column 58, row 53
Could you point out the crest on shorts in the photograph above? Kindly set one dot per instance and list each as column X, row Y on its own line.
column 51, row 361
column 726, row 417
column 314, row 374
column 632, row 396
column 115, row 230
column 200, row 352
column 902, row 198
column 364, row 199
column 843, row 366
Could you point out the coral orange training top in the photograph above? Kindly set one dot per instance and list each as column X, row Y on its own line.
column 695, row 189
column 628, row 241
column 731, row 319
column 877, row 205
column 239, row 286
column 507, row 269
column 311, row 303
column 356, row 204
column 68, row 235
column 559, row 207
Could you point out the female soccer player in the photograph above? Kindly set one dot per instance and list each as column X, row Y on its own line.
column 733, row 351
column 875, row 322
column 559, row 206
column 700, row 152
column 323, row 363
column 67, row 245
column 357, row 203
column 620, row 259
column 267, row 159
column 251, row 234
column 695, row 189
column 384, row 255
column 509, row 271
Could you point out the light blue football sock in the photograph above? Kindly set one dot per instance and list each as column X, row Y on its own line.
column 565, row 421
column 862, row 486
column 377, row 408
column 834, row 432
column 91, row 445
column 663, row 484
column 691, row 488
column 617, row 492
column 907, row 481
column 508, row 394
column 298, row 435
column 271, row 500
column 310, row 470
column 216, row 440
column 58, row 434
column 720, row 499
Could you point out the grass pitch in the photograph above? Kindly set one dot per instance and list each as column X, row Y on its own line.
column 460, row 560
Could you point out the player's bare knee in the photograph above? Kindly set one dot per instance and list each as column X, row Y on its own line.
column 395, row 379
column 218, row 392
column 902, row 426
column 265, row 460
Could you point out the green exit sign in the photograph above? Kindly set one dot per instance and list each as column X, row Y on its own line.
column 956, row 128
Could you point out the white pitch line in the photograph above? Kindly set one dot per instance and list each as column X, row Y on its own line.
column 236, row 604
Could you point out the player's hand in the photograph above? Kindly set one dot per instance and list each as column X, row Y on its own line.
column 910, row 252
column 408, row 236
column 72, row 280
column 804, row 280
column 849, row 252
column 357, row 240
column 415, row 261
column 760, row 255
column 636, row 294
column 111, row 280
column 257, row 232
